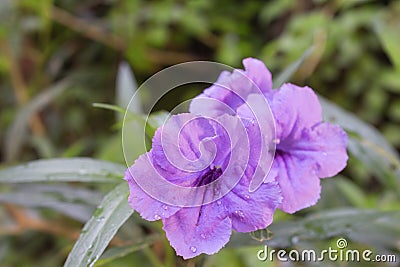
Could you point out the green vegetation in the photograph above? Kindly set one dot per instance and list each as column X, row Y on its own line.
column 59, row 57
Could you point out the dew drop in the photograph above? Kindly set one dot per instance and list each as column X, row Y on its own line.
column 101, row 218
column 247, row 197
column 193, row 249
column 276, row 141
column 239, row 213
column 219, row 202
column 203, row 236
column 157, row 217
column 165, row 207
column 217, row 191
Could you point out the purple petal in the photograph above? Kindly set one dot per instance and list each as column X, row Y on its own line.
column 232, row 89
column 258, row 73
column 181, row 144
column 294, row 108
column 299, row 184
column 325, row 144
column 192, row 231
column 261, row 132
column 148, row 207
column 252, row 211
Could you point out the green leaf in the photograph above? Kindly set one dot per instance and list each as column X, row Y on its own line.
column 377, row 228
column 367, row 144
column 138, row 132
column 63, row 170
column 109, row 107
column 109, row 216
column 387, row 30
column 126, row 87
column 72, row 201
column 285, row 75
column 352, row 192
column 155, row 120
column 119, row 252
column 17, row 132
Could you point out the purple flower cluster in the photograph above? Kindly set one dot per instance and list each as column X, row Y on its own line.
column 198, row 178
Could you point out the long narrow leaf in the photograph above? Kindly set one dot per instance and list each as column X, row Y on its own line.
column 285, row 75
column 119, row 252
column 18, row 130
column 72, row 201
column 63, row 170
column 376, row 228
column 101, row 228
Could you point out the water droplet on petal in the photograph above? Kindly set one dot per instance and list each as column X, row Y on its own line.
column 203, row 236
column 325, row 154
column 165, row 207
column 157, row 217
column 239, row 213
column 217, row 191
column 193, row 249
column 219, row 202
column 276, row 141
column 247, row 197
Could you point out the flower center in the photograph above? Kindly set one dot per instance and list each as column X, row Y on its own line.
column 210, row 176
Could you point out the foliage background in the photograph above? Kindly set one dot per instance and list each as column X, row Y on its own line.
column 58, row 57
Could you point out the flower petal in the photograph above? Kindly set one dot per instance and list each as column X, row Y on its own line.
column 325, row 144
column 294, row 108
column 251, row 211
column 258, row 73
column 148, row 207
column 196, row 230
column 299, row 184
column 179, row 146
column 232, row 89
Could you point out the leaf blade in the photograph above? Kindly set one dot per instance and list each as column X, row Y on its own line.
column 110, row 215
column 285, row 75
column 63, row 170
column 354, row 224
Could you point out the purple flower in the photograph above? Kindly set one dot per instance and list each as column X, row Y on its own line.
column 196, row 180
column 306, row 148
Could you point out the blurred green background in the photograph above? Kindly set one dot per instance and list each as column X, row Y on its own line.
column 58, row 57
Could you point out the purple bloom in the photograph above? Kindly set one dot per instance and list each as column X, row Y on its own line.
column 306, row 148
column 196, row 180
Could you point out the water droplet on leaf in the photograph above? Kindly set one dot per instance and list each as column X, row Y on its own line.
column 101, row 218
column 294, row 239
